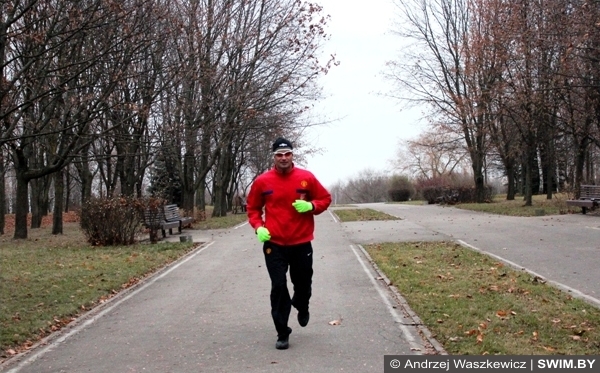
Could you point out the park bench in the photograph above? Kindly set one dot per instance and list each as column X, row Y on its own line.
column 589, row 197
column 156, row 220
column 172, row 216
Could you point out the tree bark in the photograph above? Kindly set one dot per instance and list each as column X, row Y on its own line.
column 57, row 218
column 2, row 193
column 21, row 205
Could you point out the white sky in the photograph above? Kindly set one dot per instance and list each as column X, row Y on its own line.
column 370, row 125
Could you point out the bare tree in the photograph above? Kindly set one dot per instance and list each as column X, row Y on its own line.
column 432, row 154
column 57, row 82
column 438, row 71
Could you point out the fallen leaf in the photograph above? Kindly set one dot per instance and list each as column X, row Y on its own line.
column 501, row 314
column 548, row 348
column 576, row 337
column 513, row 313
column 415, row 349
column 472, row 332
column 11, row 352
column 579, row 331
column 335, row 322
column 480, row 338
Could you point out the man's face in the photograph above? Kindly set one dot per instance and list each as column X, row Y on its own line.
column 283, row 161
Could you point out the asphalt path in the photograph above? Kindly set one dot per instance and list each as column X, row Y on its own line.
column 210, row 312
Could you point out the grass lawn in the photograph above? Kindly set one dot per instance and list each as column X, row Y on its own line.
column 363, row 215
column 223, row 222
column 475, row 305
column 516, row 207
column 46, row 281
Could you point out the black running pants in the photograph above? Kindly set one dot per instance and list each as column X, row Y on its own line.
column 299, row 259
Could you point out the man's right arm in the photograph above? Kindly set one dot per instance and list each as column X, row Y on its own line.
column 254, row 206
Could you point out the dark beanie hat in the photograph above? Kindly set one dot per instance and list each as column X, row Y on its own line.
column 282, row 145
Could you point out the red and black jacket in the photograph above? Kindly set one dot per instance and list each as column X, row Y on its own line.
column 276, row 191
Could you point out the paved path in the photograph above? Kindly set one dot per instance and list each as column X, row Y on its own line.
column 211, row 313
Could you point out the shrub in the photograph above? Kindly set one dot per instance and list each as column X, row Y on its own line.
column 399, row 195
column 450, row 189
column 111, row 221
column 401, row 188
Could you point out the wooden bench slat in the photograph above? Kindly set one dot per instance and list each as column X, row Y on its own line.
column 172, row 215
column 156, row 220
column 581, row 202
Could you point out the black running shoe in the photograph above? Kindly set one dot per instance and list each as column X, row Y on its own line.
column 283, row 340
column 303, row 318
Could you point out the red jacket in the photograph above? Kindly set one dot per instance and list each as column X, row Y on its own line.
column 276, row 192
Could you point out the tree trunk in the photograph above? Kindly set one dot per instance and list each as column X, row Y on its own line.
column 57, row 218
column 189, row 165
column 67, row 188
column 35, row 192
column 222, row 179
column 511, row 188
column 219, row 191
column 529, row 168
column 21, row 206
column 477, row 159
column 2, row 193
column 86, row 177
column 579, row 166
column 40, row 201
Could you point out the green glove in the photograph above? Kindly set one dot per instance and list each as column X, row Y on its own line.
column 302, row 206
column 263, row 234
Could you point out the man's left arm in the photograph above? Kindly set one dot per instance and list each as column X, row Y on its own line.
column 321, row 198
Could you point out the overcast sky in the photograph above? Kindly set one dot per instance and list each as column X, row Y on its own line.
column 370, row 125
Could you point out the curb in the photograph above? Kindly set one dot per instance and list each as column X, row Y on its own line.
column 417, row 322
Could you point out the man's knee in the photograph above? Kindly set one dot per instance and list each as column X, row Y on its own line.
column 278, row 285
